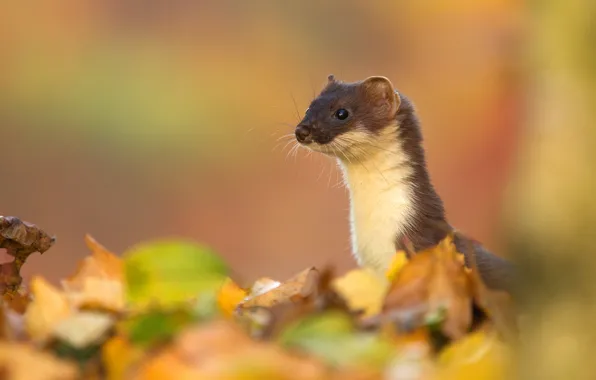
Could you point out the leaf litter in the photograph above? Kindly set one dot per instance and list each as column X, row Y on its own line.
column 169, row 309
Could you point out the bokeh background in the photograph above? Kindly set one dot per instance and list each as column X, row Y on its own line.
column 134, row 120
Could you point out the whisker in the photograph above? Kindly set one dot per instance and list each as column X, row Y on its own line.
column 292, row 150
column 295, row 107
column 288, row 143
column 281, row 142
column 287, row 135
column 284, row 124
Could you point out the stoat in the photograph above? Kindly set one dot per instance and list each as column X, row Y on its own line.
column 373, row 132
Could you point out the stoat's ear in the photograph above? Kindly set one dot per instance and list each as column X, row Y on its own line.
column 380, row 92
column 330, row 78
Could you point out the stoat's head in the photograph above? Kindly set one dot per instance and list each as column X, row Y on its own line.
column 346, row 119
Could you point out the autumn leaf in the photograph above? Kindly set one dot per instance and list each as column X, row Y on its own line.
column 169, row 272
column 480, row 355
column 435, row 282
column 221, row 350
column 118, row 355
column 49, row 307
column 110, row 264
column 98, row 280
column 332, row 336
column 22, row 362
column 154, row 326
column 83, row 329
column 229, row 296
column 398, row 261
column 268, row 293
column 20, row 239
column 363, row 290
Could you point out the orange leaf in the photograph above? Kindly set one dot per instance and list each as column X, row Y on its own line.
column 229, row 297
column 435, row 280
column 118, row 355
column 221, row 350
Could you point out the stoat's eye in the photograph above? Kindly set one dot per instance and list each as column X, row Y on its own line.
column 342, row 114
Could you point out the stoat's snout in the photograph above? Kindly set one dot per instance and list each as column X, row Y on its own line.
column 303, row 134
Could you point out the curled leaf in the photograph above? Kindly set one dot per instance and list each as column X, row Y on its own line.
column 296, row 288
column 20, row 239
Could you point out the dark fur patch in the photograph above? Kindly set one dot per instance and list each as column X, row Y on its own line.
column 356, row 99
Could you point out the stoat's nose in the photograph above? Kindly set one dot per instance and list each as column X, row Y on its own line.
column 303, row 134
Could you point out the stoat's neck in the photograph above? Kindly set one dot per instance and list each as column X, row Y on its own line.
column 391, row 197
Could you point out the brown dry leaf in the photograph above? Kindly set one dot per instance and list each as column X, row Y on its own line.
column 296, row 288
column 221, row 350
column 12, row 321
column 118, row 357
column 229, row 297
column 363, row 290
column 432, row 281
column 98, row 280
column 22, row 362
column 20, row 239
column 48, row 308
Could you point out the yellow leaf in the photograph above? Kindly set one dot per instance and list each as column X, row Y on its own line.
column 49, row 306
column 93, row 292
column 397, row 263
column 229, row 297
column 21, row 362
column 98, row 281
column 479, row 355
column 362, row 289
column 111, row 264
column 118, row 355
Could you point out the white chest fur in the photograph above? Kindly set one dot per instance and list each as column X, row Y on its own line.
column 380, row 206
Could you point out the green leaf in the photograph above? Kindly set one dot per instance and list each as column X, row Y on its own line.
column 168, row 272
column 156, row 326
column 332, row 337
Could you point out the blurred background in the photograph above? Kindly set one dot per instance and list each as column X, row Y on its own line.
column 133, row 120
